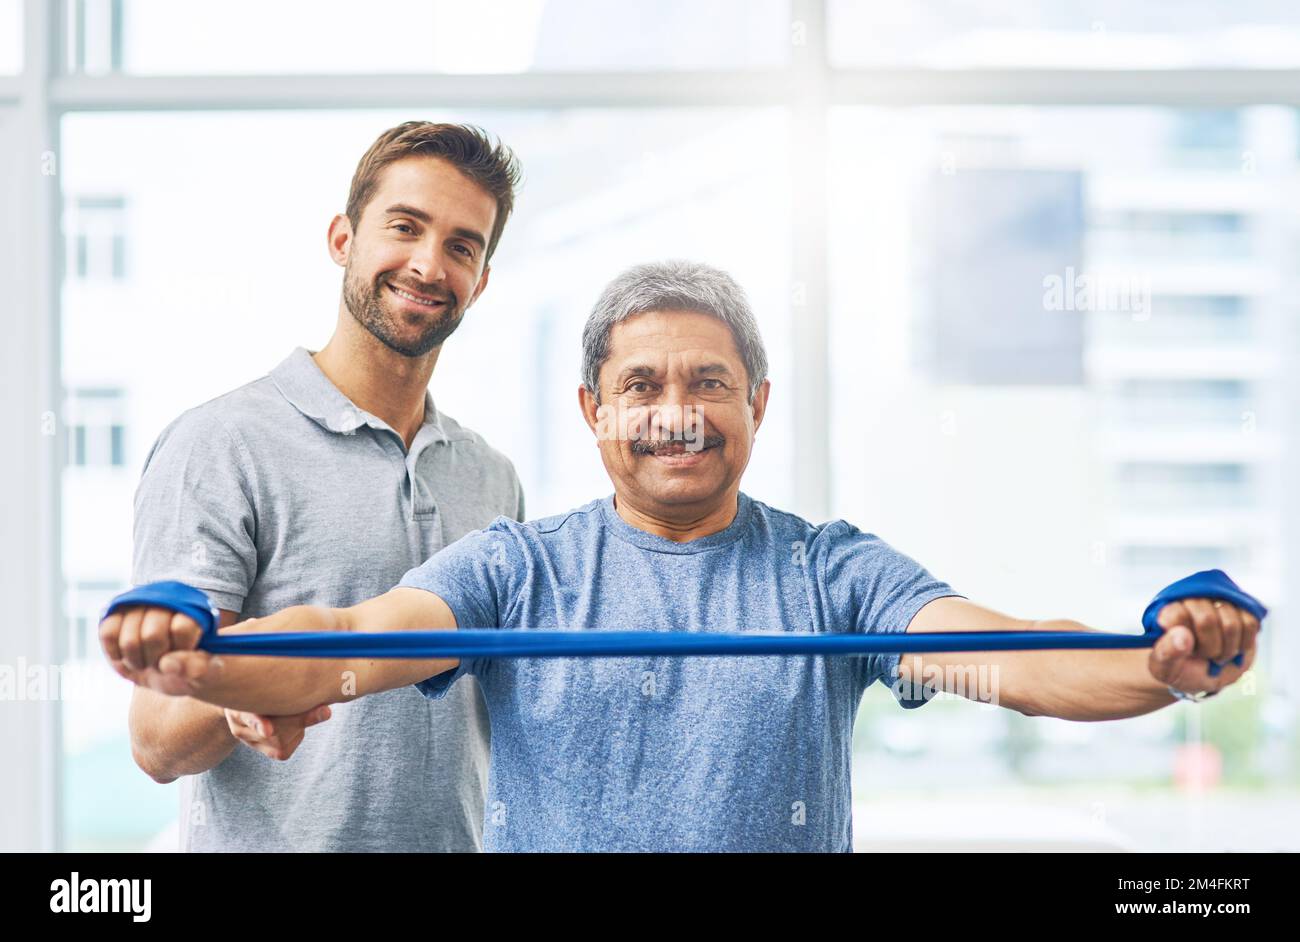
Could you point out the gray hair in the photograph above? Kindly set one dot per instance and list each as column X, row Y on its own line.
column 672, row 286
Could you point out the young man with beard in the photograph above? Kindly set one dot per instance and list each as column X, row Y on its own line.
column 325, row 481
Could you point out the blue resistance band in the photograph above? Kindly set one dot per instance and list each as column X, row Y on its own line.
column 494, row 643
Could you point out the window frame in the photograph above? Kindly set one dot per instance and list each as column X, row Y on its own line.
column 37, row 98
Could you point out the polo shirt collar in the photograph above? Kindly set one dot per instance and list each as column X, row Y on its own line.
column 309, row 390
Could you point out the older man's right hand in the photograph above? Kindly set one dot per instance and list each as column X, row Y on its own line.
column 136, row 638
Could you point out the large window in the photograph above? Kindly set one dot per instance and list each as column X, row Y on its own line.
column 1066, row 354
column 11, row 36
column 487, row 36
column 1068, row 34
column 1039, row 334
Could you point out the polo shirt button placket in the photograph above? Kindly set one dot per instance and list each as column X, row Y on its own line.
column 422, row 506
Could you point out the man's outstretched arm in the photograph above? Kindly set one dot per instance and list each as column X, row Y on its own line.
column 1104, row 684
column 157, row 648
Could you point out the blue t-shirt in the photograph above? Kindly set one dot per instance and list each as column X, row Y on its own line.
column 674, row 753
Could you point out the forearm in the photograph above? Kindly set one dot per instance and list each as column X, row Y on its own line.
column 290, row 685
column 269, row 686
column 1084, row 685
column 175, row 736
column 277, row 686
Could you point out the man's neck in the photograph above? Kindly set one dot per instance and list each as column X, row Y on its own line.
column 679, row 526
column 379, row 380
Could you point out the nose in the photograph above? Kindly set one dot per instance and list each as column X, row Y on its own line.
column 671, row 414
column 425, row 262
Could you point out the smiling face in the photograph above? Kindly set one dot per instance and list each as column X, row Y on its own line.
column 418, row 258
column 675, row 424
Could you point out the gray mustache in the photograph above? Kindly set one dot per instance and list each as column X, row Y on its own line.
column 648, row 446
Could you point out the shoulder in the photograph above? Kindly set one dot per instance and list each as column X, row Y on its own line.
column 840, row 545
column 828, row 545
column 222, row 424
column 477, row 448
column 548, row 536
column 215, row 443
column 507, row 548
column 778, row 525
column 817, row 539
column 530, row 535
column 257, row 403
column 578, row 519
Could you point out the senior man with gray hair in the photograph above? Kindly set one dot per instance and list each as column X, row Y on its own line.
column 664, row 753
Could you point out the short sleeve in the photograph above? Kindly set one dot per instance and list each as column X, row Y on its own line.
column 195, row 514
column 875, row 588
column 477, row 576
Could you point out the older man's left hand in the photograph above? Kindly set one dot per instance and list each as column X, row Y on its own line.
column 1198, row 632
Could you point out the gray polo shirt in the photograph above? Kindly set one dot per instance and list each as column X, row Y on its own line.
column 283, row 492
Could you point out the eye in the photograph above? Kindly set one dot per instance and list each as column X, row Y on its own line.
column 463, row 249
column 638, row 386
column 712, row 384
column 405, row 228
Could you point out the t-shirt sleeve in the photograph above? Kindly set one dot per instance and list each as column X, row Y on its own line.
column 195, row 512
column 875, row 588
column 476, row 576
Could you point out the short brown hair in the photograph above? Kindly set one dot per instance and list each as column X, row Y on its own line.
column 489, row 163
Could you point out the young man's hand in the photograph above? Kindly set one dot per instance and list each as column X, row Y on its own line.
column 276, row 737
